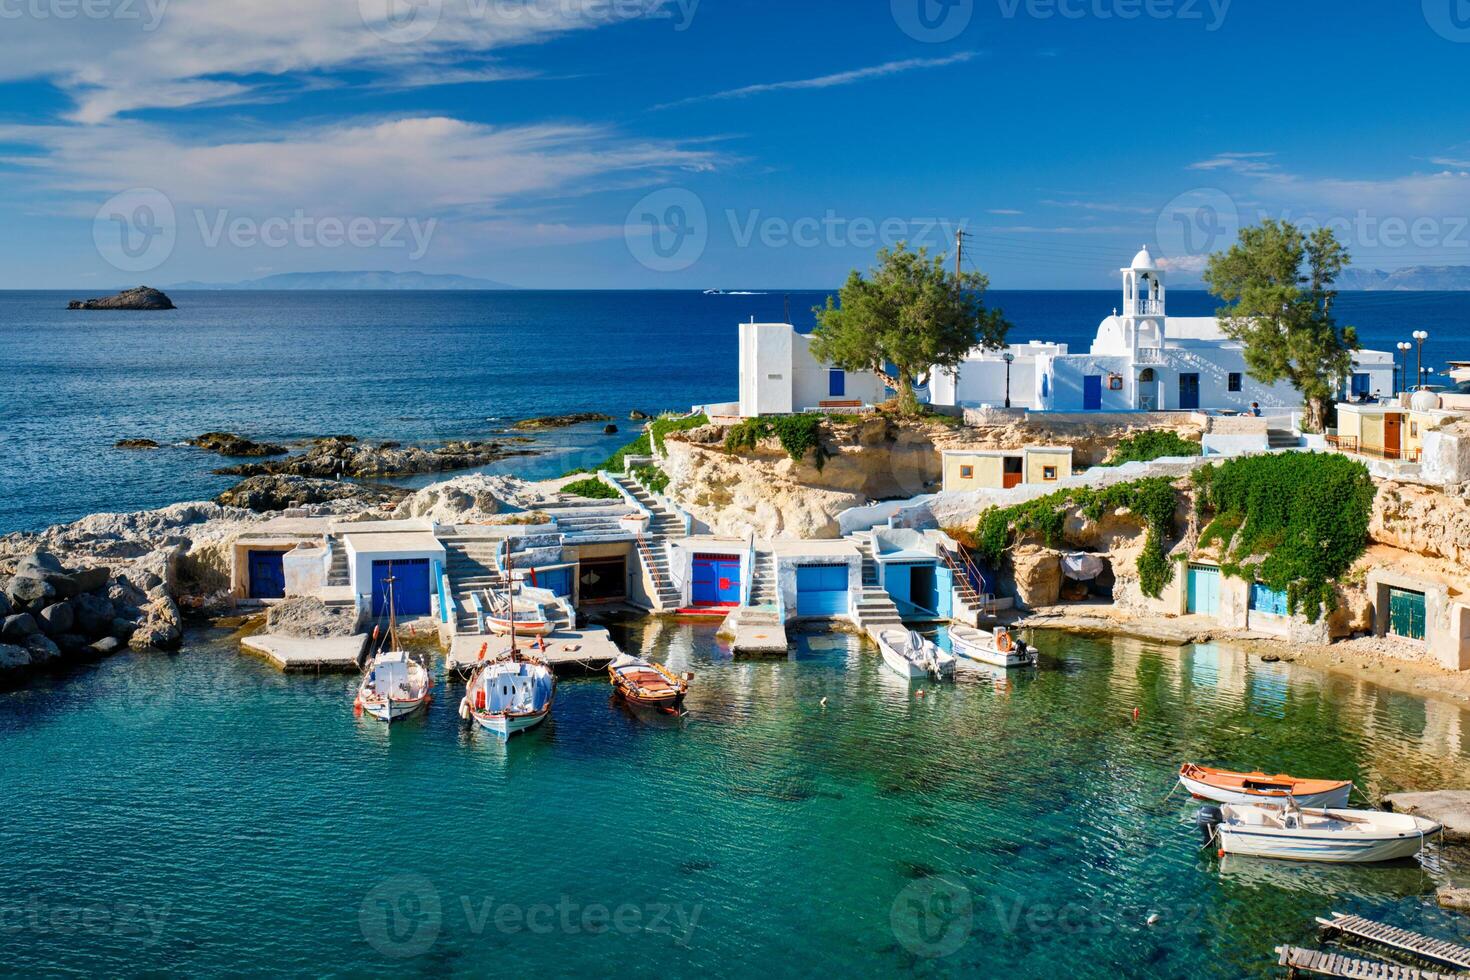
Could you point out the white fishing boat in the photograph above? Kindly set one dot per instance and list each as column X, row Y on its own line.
column 509, row 694
column 999, row 649
column 1293, row 833
column 912, row 656
column 530, row 618
column 394, row 685
column 1227, row 786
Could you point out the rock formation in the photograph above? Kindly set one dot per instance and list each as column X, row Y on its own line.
column 329, row 458
column 279, row 491
column 50, row 613
column 308, row 616
column 135, row 444
column 469, row 499
column 141, row 298
column 229, row 444
column 560, row 421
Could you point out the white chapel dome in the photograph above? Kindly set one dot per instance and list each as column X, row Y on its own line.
column 1424, row 401
column 1144, row 262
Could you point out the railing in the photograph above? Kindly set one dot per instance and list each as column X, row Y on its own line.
column 1144, row 307
column 1150, row 356
column 1347, row 444
column 966, row 573
column 1350, row 444
column 747, row 573
column 646, row 553
column 441, row 582
column 479, row 612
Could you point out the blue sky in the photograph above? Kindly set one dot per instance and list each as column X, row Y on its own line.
column 728, row 143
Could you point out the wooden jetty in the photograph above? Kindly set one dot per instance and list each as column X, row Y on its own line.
column 1298, row 960
column 1399, row 940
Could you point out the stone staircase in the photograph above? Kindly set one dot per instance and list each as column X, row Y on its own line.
column 583, row 522
column 1282, row 439
column 470, row 563
column 763, row 588
column 338, row 574
column 653, row 555
column 875, row 610
column 970, row 606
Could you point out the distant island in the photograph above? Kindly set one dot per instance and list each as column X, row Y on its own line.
column 1423, row 278
column 352, row 280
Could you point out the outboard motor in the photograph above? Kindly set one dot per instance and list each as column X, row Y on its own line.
column 1207, row 818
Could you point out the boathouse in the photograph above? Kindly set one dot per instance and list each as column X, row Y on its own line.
column 404, row 554
column 1428, row 613
column 818, row 579
column 997, row 469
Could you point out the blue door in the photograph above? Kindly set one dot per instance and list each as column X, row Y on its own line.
column 1268, row 600
column 1092, row 391
column 267, row 575
column 1189, row 391
column 1204, row 590
column 821, row 590
column 836, row 383
column 410, row 586
column 558, row 581
column 716, row 580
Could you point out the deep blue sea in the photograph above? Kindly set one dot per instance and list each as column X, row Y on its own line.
column 424, row 367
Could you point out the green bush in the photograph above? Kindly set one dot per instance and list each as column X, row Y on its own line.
column 652, row 477
column 798, row 435
column 1151, row 500
column 592, row 488
column 665, row 424
column 1151, row 444
column 1293, row 521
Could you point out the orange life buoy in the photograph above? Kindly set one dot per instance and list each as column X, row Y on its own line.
column 1003, row 640
column 480, row 699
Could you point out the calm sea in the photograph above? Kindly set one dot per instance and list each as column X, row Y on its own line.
column 204, row 815
column 423, row 366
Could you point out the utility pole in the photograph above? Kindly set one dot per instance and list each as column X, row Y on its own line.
column 959, row 252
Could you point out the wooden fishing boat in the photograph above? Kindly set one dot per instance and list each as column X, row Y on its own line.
column 643, row 682
column 1225, row 786
column 394, row 685
column 1337, row 836
column 530, row 618
column 509, row 694
column 912, row 656
column 1000, row 649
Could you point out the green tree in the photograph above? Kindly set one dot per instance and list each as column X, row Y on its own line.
column 1277, row 283
column 912, row 314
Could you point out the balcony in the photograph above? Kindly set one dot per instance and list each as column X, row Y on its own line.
column 1350, row 444
column 1144, row 307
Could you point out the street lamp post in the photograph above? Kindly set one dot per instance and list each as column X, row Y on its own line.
column 1008, row 358
column 1420, row 336
column 1404, row 347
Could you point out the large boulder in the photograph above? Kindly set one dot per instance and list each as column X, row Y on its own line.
column 107, row 646
column 308, row 616
column 18, row 626
column 42, row 650
column 162, row 627
column 29, row 592
column 1037, row 576
column 93, row 579
column 57, row 618
column 277, row 491
column 463, row 500
column 93, row 615
column 13, row 659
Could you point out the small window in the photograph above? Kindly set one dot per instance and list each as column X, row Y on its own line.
column 1048, row 472
column 1361, row 383
column 967, row 472
column 1413, row 429
column 774, row 377
column 1233, row 383
column 836, row 383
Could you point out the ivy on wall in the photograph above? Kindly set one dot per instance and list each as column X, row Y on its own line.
column 1151, row 444
column 1294, row 522
column 1152, row 501
column 798, row 435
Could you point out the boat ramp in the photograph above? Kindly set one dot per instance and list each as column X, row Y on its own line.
column 589, row 650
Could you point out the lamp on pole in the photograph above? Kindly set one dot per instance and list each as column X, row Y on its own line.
column 1420, row 336
column 1404, row 347
column 1008, row 358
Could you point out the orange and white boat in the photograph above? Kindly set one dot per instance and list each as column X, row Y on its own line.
column 1225, row 786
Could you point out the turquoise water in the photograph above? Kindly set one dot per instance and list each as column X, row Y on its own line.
column 204, row 814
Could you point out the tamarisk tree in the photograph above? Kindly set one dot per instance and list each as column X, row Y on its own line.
column 910, row 316
column 1277, row 283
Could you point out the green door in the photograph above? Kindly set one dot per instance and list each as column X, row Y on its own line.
column 1406, row 613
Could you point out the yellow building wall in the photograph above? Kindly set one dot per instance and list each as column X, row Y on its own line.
column 986, row 473
column 1350, row 425
column 1414, row 427
column 1037, row 462
column 1371, row 436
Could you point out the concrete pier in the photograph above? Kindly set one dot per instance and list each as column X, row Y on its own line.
column 590, row 649
column 308, row 655
column 756, row 630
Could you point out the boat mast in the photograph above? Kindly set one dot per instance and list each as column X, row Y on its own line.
column 510, row 595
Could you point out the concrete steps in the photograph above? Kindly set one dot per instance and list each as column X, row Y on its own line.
column 763, row 587
column 338, row 573
column 471, row 566
column 652, row 553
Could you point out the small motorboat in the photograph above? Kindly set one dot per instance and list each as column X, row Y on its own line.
column 1337, row 836
column 643, row 682
column 1224, row 786
column 394, row 685
column 912, row 656
column 1000, row 649
column 509, row 694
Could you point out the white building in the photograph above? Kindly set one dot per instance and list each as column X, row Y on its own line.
column 1142, row 359
column 779, row 376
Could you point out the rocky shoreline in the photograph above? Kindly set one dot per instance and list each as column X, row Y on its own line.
column 345, row 456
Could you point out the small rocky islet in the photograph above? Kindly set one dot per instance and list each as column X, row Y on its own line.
column 139, row 298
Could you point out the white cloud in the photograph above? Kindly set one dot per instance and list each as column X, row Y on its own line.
column 827, row 81
column 142, row 54
column 1241, row 163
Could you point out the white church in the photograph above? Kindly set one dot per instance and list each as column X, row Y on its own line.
column 1142, row 359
